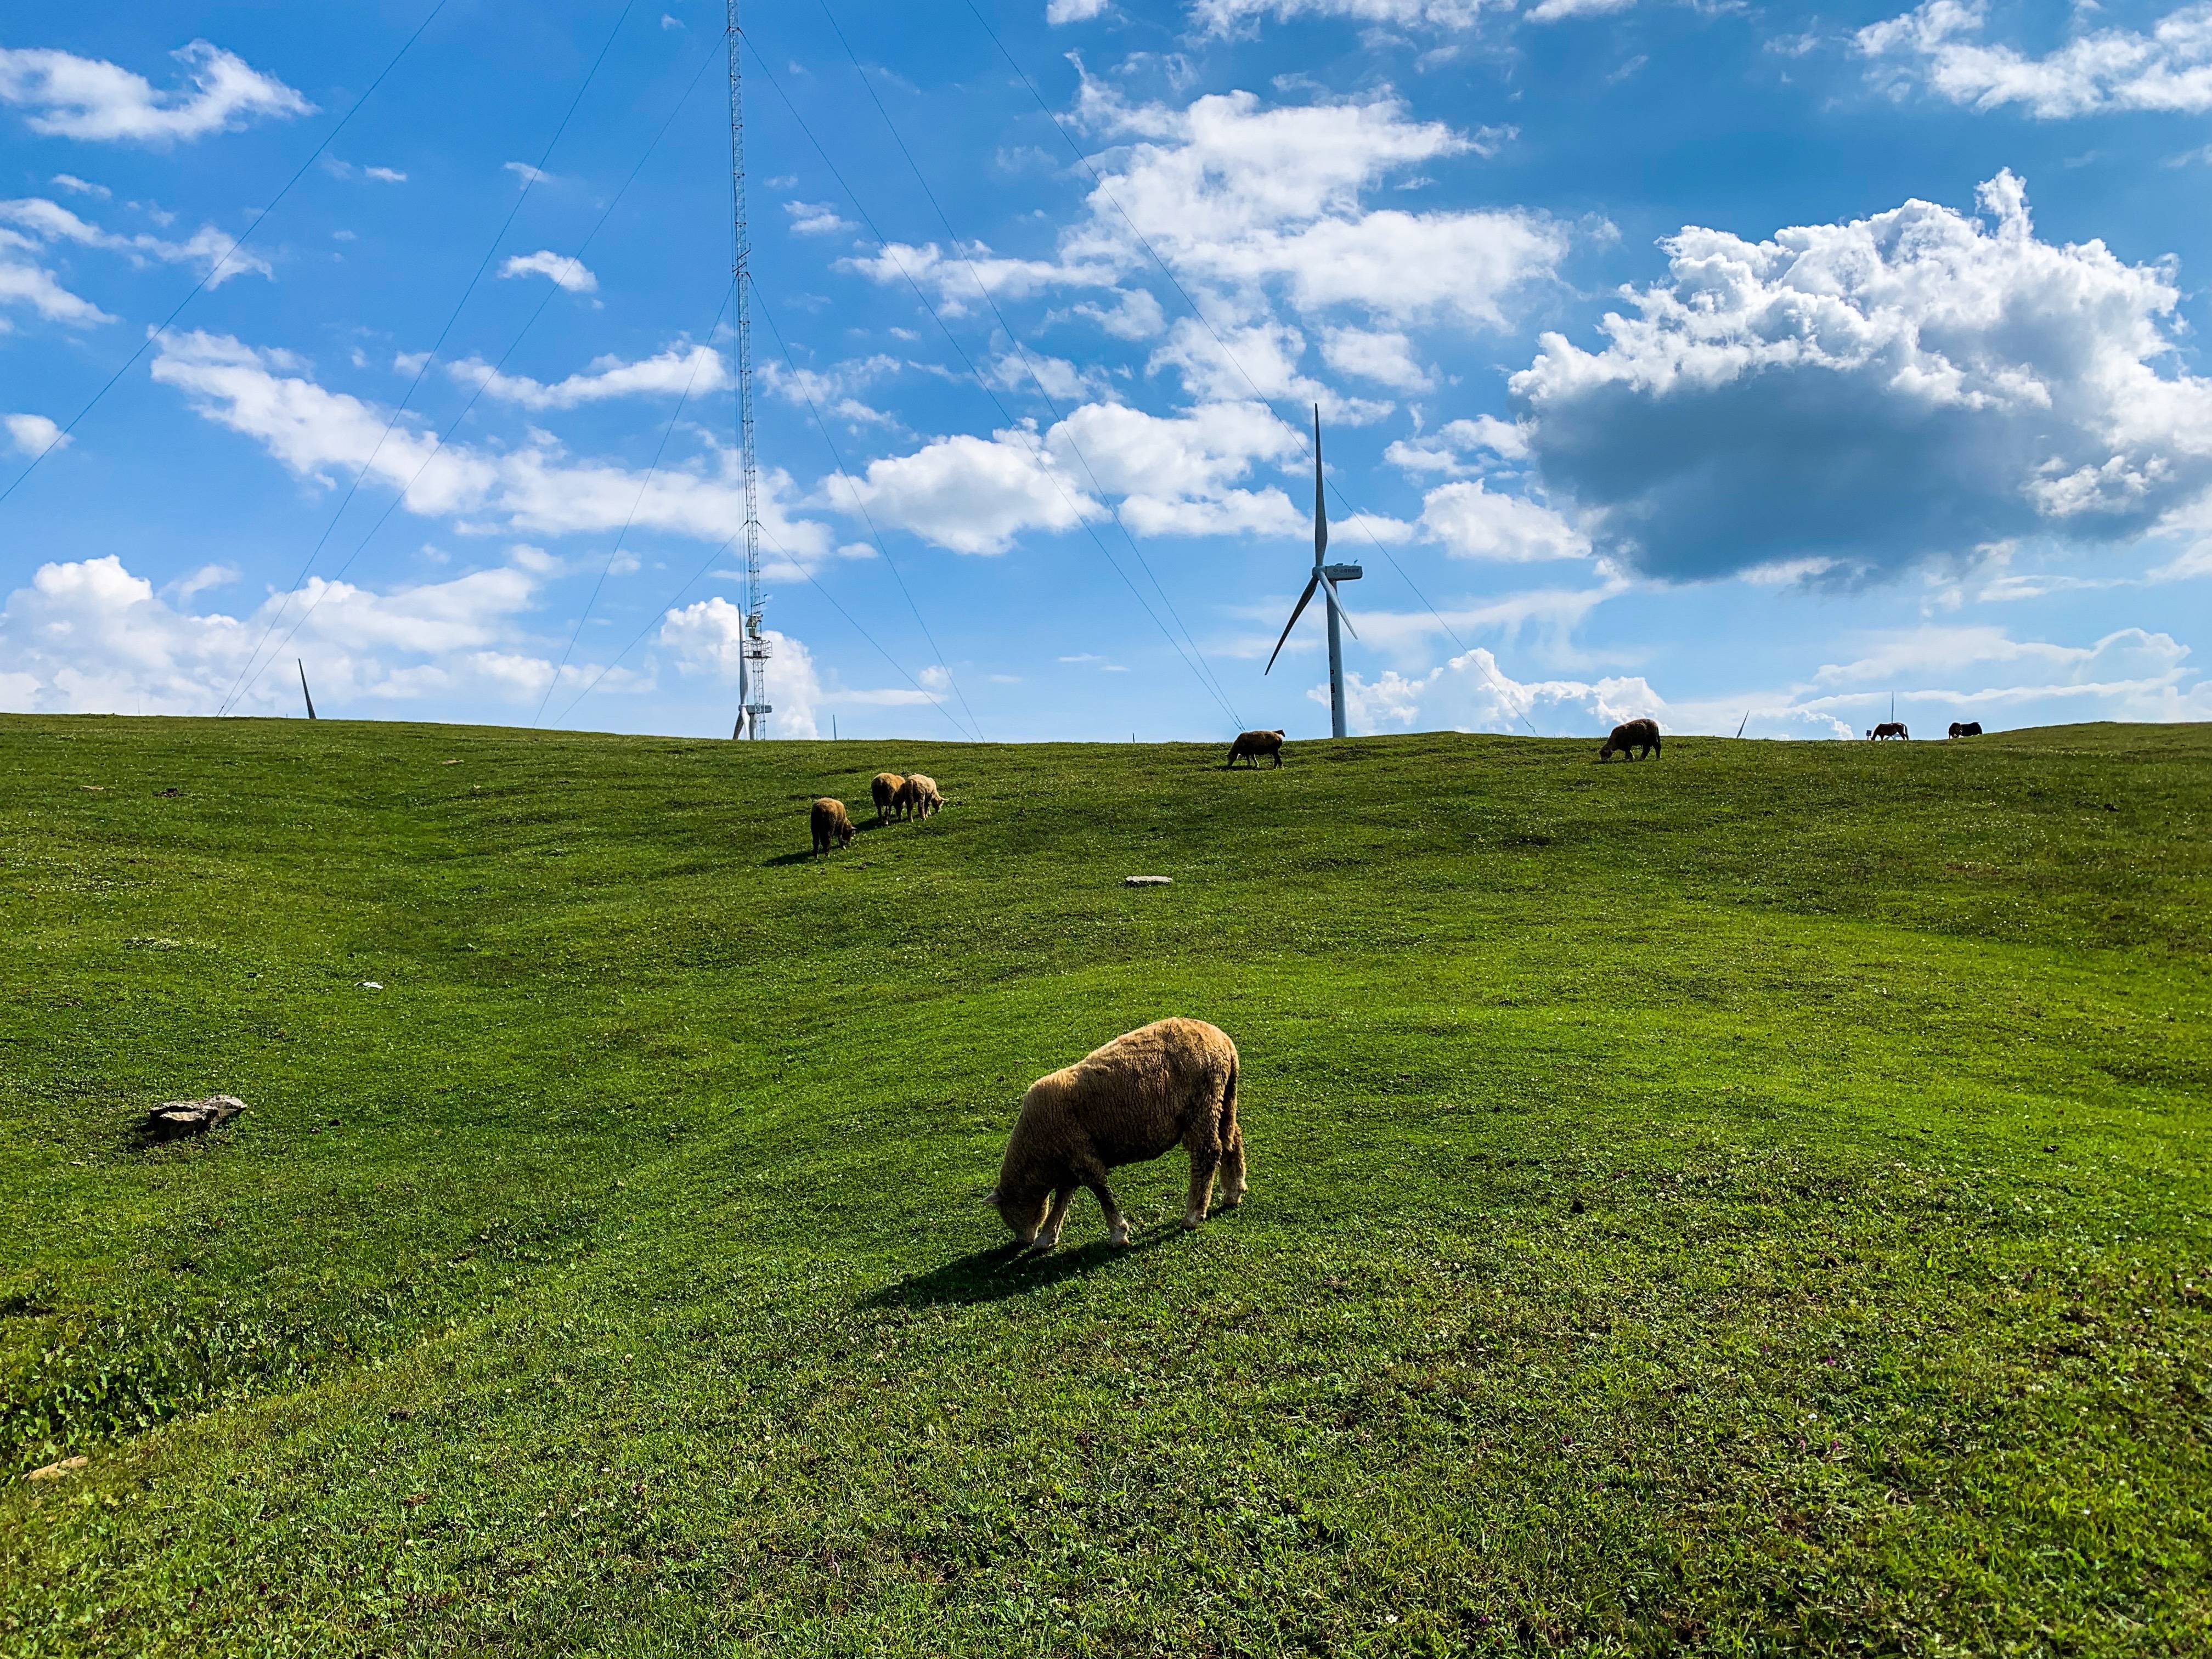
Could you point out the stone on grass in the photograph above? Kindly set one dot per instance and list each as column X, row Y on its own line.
column 172, row 1119
column 1147, row 881
column 68, row 1465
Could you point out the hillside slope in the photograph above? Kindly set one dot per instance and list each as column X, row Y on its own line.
column 1752, row 1200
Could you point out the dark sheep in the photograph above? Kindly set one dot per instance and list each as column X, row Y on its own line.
column 1890, row 729
column 1966, row 728
column 1641, row 737
column 1250, row 745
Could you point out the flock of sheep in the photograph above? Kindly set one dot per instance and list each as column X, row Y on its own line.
column 914, row 796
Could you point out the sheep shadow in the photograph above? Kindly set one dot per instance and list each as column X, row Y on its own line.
column 1005, row 1270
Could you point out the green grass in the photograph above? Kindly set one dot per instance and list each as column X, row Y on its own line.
column 1751, row 1202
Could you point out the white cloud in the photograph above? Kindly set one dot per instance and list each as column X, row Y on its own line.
column 88, row 637
column 816, row 219
column 565, row 272
column 77, row 186
column 1136, row 316
column 1263, row 357
column 32, row 435
column 1914, row 385
column 71, row 97
column 210, row 249
column 1247, row 198
column 1182, row 475
column 962, row 275
column 1072, row 11
column 1385, row 356
column 972, row 494
column 1471, row 522
column 1226, row 17
column 534, row 489
column 1938, row 46
column 529, row 174
column 668, row 375
column 24, row 281
column 1445, row 449
column 385, row 175
column 835, row 391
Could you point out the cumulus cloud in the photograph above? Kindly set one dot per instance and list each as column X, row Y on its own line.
column 1250, row 198
column 65, row 97
column 974, row 495
column 1939, row 47
column 1072, row 11
column 26, row 280
column 835, row 391
column 1911, row 385
column 1471, row 522
column 1184, row 475
column 566, row 272
column 90, row 636
column 32, row 435
column 536, row 487
column 1136, row 316
column 1447, row 450
column 1384, row 356
column 816, row 219
column 668, row 375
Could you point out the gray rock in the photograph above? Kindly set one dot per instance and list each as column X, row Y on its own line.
column 1147, row 881
column 174, row 1118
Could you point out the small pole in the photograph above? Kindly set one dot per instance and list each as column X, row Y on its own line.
column 1745, row 721
column 304, row 692
column 833, row 728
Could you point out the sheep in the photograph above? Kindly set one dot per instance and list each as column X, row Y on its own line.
column 1127, row 1103
column 1890, row 729
column 884, row 788
column 1250, row 745
column 1641, row 736
column 830, row 823
column 917, row 797
column 1966, row 728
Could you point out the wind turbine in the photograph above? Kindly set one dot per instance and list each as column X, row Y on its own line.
column 1325, row 577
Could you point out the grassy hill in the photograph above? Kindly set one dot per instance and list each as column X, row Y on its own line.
column 1753, row 1201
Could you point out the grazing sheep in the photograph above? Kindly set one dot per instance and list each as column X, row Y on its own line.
column 1640, row 736
column 1250, row 745
column 1890, row 729
column 884, row 788
column 830, row 823
column 1127, row 1103
column 1966, row 728
column 917, row 797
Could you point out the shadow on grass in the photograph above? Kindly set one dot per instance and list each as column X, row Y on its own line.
column 860, row 827
column 1008, row 1270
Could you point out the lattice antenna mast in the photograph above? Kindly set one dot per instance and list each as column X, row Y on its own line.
column 753, row 706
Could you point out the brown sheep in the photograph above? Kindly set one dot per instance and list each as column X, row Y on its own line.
column 918, row 798
column 1641, row 736
column 1250, row 745
column 830, row 823
column 1127, row 1103
column 884, row 788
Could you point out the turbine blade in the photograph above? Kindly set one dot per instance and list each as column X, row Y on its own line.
column 1342, row 614
column 1304, row 600
column 1320, row 504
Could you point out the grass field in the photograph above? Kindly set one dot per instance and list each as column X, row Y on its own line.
column 1754, row 1201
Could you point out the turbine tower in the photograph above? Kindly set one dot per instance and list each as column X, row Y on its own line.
column 754, row 649
column 1325, row 577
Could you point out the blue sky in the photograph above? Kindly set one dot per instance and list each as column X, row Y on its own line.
column 1689, row 359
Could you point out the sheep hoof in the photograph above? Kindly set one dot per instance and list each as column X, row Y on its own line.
column 1119, row 1236
column 1191, row 1224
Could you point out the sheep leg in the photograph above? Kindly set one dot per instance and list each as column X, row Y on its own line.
column 1202, row 1163
column 1232, row 1168
column 1056, row 1219
column 1092, row 1174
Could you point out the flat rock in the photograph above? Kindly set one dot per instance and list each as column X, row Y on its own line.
column 68, row 1465
column 1148, row 881
column 174, row 1118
